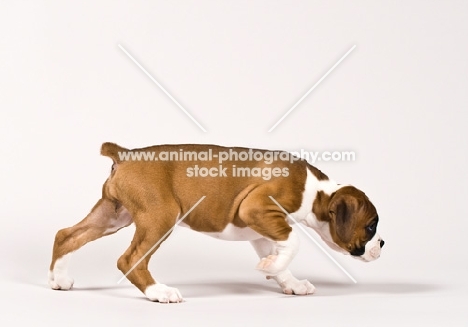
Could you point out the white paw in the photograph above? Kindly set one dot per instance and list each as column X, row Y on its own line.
column 163, row 294
column 269, row 265
column 297, row 287
column 59, row 281
column 58, row 277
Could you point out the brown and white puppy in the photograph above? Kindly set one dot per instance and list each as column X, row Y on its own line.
column 154, row 194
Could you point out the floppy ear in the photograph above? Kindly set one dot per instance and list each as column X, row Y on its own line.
column 341, row 214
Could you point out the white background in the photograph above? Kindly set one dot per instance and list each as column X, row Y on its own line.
column 399, row 101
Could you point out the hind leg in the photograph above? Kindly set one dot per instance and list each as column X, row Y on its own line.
column 104, row 219
column 153, row 226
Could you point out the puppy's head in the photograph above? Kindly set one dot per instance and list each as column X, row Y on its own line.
column 353, row 224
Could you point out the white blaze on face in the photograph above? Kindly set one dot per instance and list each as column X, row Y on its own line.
column 372, row 249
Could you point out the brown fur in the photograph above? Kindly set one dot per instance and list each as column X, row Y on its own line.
column 153, row 193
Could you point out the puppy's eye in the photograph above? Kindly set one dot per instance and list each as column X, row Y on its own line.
column 371, row 227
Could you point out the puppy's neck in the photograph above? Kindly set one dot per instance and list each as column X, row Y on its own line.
column 316, row 198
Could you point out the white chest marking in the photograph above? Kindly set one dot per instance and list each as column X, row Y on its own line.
column 232, row 233
column 305, row 215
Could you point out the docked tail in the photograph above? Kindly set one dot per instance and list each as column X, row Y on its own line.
column 112, row 150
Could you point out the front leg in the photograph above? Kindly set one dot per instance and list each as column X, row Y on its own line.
column 275, row 257
column 291, row 285
column 278, row 260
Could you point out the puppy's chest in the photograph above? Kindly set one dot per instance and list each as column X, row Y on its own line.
column 232, row 233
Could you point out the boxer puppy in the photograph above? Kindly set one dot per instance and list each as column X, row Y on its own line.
column 234, row 187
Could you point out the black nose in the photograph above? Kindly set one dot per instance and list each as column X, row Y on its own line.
column 382, row 243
